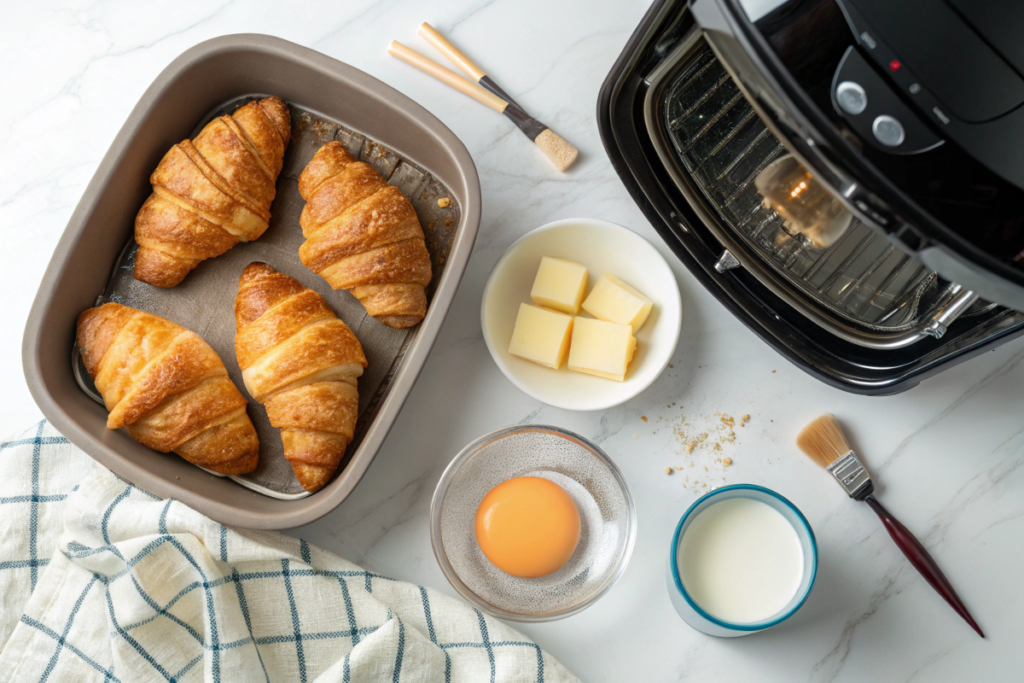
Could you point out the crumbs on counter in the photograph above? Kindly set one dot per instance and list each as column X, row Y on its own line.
column 443, row 202
column 644, row 418
column 636, row 436
column 699, row 435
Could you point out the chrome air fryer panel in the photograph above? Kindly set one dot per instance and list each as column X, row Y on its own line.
column 861, row 287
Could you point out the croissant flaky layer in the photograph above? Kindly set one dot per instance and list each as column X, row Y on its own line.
column 302, row 363
column 363, row 235
column 213, row 192
column 167, row 387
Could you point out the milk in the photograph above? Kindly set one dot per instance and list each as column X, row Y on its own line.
column 740, row 560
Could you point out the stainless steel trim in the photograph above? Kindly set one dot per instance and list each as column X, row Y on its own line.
column 850, row 473
column 939, row 323
column 726, row 262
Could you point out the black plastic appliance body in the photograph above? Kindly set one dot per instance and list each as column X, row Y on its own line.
column 951, row 198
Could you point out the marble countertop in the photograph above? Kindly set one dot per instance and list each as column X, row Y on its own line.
column 948, row 456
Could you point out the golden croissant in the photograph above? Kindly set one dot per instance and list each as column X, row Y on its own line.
column 363, row 235
column 168, row 388
column 212, row 192
column 302, row 363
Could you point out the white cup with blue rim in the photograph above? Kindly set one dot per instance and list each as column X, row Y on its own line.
column 731, row 567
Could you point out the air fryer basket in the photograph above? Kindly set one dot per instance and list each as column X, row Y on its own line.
column 687, row 145
column 323, row 92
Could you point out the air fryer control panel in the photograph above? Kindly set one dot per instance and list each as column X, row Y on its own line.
column 926, row 42
column 930, row 93
column 879, row 116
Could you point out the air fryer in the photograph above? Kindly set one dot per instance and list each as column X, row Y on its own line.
column 845, row 176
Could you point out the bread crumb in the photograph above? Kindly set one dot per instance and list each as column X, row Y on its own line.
column 678, row 468
column 773, row 372
column 726, row 462
column 636, row 436
column 668, row 470
column 644, row 418
column 746, row 417
column 443, row 202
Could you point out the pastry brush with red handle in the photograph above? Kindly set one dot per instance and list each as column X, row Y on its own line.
column 825, row 443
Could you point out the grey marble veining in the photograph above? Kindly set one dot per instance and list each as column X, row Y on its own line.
column 948, row 456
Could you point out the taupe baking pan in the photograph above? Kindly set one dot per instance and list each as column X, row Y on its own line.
column 93, row 261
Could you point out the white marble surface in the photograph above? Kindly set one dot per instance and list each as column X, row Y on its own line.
column 949, row 455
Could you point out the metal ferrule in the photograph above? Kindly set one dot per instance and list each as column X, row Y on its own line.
column 851, row 473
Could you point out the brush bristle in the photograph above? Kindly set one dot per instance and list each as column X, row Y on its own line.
column 823, row 440
column 557, row 149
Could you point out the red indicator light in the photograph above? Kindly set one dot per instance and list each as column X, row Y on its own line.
column 894, row 65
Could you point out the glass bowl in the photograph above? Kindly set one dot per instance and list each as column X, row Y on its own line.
column 586, row 473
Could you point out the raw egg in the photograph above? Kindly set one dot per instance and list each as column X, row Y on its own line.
column 527, row 526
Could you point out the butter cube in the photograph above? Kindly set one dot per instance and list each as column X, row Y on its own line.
column 541, row 336
column 618, row 302
column 560, row 285
column 601, row 348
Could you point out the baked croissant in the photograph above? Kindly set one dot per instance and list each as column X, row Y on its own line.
column 168, row 388
column 212, row 192
column 302, row 363
column 363, row 235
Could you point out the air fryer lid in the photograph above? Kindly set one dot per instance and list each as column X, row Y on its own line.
column 931, row 147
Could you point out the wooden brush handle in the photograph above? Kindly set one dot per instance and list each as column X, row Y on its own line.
column 922, row 561
column 445, row 47
column 463, row 85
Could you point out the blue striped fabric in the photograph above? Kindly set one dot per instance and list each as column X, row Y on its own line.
column 101, row 581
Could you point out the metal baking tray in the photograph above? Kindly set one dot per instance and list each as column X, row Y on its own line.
column 94, row 259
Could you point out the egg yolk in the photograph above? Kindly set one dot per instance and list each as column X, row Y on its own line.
column 527, row 526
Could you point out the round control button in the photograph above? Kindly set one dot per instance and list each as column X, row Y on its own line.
column 851, row 97
column 888, row 131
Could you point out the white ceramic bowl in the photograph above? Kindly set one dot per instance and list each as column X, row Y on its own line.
column 602, row 247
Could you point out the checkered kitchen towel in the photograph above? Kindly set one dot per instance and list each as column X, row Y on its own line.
column 101, row 581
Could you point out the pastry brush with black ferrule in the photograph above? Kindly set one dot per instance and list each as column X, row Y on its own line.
column 824, row 442
column 555, row 147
